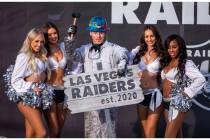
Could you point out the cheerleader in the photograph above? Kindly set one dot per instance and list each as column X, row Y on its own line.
column 28, row 89
column 147, row 56
column 57, row 59
column 181, row 82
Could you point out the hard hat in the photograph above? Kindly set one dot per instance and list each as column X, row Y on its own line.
column 97, row 24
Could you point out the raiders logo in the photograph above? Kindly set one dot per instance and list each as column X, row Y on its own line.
column 203, row 98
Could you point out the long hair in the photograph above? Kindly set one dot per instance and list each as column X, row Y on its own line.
column 143, row 46
column 182, row 55
column 45, row 28
column 26, row 48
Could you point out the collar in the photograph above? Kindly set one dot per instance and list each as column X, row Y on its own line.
column 98, row 47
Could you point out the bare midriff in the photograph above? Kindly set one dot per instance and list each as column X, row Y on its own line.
column 35, row 78
column 149, row 80
column 166, row 88
column 56, row 78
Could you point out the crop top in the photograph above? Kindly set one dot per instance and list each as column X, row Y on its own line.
column 21, row 70
column 170, row 75
column 54, row 64
column 198, row 80
column 153, row 67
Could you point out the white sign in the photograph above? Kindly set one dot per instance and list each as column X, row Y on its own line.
column 104, row 89
column 128, row 11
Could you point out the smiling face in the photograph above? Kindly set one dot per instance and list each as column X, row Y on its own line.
column 149, row 38
column 173, row 49
column 52, row 36
column 37, row 43
column 97, row 37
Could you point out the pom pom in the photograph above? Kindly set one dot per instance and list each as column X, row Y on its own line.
column 179, row 101
column 30, row 98
column 47, row 97
column 9, row 90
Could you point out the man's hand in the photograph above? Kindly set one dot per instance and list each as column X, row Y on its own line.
column 121, row 72
column 72, row 29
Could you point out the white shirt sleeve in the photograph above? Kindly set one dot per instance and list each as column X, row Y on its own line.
column 78, row 63
column 132, row 54
column 120, row 55
column 19, row 73
column 198, row 80
column 62, row 47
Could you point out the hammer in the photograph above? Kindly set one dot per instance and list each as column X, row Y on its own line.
column 75, row 16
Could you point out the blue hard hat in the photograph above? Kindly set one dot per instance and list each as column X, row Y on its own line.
column 97, row 24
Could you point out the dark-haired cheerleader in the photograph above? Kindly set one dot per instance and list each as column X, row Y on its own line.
column 57, row 58
column 147, row 55
column 181, row 82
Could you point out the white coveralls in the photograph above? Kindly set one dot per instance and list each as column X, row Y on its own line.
column 100, row 123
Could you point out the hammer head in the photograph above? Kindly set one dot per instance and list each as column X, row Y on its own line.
column 75, row 15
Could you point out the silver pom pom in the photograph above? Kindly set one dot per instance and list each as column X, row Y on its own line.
column 9, row 90
column 31, row 99
column 47, row 97
column 179, row 101
column 44, row 99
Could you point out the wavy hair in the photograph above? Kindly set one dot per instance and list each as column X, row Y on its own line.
column 143, row 46
column 182, row 55
column 45, row 28
column 26, row 48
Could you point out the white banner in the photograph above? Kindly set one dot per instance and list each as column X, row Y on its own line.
column 103, row 89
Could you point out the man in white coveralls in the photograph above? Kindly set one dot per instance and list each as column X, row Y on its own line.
column 95, row 56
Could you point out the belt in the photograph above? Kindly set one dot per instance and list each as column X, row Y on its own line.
column 172, row 112
column 156, row 98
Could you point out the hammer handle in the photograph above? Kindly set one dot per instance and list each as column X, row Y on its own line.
column 74, row 23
